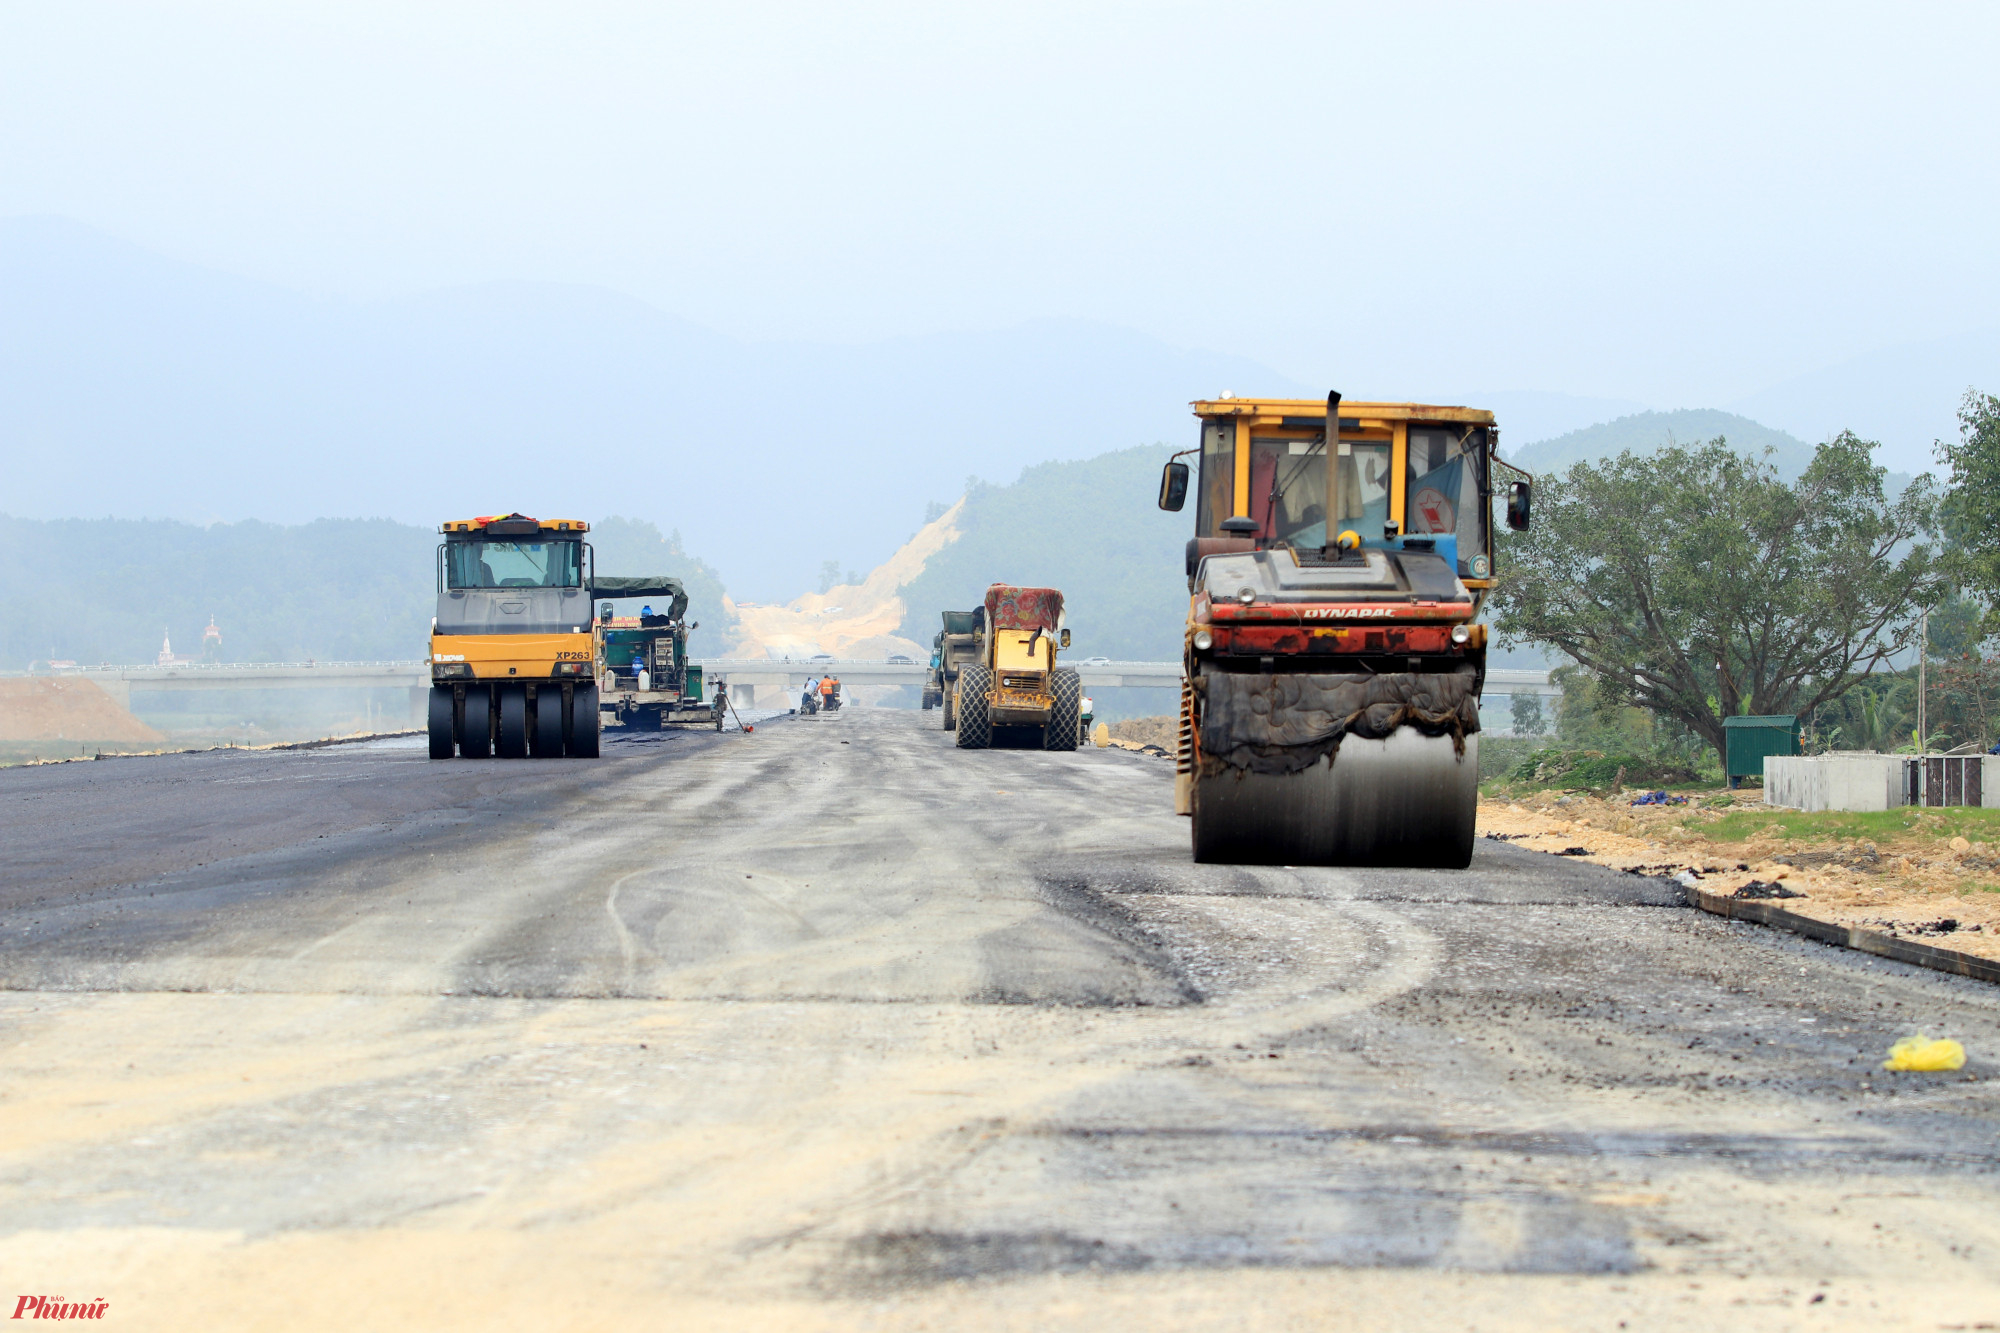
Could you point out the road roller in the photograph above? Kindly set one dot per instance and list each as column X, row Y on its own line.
column 1334, row 661
column 1014, row 687
column 516, row 653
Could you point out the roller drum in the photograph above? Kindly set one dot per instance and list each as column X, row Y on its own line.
column 1408, row 800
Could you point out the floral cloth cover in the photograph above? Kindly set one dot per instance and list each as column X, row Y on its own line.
column 1008, row 607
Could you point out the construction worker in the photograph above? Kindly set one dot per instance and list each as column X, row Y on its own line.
column 829, row 692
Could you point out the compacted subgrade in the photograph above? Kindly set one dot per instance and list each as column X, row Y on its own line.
column 838, row 1024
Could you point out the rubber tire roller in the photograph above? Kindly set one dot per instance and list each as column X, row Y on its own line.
column 442, row 704
column 475, row 725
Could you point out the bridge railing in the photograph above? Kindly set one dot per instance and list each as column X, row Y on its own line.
column 104, row 668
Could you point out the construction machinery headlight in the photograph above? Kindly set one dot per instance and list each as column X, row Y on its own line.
column 1461, row 633
column 1246, row 595
column 572, row 668
column 451, row 671
column 1203, row 640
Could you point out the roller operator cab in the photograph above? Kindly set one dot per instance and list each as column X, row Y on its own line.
column 1014, row 687
column 516, row 655
column 1330, row 706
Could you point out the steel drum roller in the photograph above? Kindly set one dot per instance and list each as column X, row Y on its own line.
column 1408, row 800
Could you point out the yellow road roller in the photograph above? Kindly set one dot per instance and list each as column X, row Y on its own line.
column 516, row 653
column 1330, row 702
column 1015, row 689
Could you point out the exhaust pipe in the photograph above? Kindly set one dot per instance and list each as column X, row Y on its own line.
column 1332, row 471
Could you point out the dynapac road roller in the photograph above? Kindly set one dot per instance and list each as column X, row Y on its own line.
column 515, row 651
column 1330, row 707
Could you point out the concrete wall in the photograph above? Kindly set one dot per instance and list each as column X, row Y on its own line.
column 1855, row 781
column 1834, row 781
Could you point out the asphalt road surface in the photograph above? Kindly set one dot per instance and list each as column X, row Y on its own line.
column 835, row 1025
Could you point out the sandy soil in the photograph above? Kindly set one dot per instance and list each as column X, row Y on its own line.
column 61, row 708
column 1907, row 887
column 849, row 620
column 1163, row 731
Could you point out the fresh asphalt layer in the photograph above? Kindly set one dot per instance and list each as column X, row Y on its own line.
column 836, row 1014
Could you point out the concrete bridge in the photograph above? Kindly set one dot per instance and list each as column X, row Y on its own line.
column 756, row 682
column 182, row 677
column 763, row 683
column 753, row 682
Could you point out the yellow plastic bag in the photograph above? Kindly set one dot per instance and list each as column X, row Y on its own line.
column 1920, row 1053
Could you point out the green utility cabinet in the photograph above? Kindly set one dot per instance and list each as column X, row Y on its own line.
column 1749, row 741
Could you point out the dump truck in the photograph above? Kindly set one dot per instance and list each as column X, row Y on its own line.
column 515, row 654
column 648, row 682
column 957, row 645
column 1015, row 682
column 1333, row 663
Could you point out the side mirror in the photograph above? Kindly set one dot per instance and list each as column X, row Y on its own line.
column 1065, row 634
column 694, row 624
column 1173, row 486
column 1518, row 501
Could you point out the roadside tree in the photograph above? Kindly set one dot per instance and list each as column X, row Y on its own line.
column 1528, row 719
column 1697, row 584
column 1971, row 507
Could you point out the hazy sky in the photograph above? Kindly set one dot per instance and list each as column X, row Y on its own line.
column 1677, row 204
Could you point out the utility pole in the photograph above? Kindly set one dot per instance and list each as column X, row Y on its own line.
column 1923, row 657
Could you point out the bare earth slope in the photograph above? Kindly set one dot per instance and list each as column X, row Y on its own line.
column 48, row 709
column 850, row 620
column 837, row 1026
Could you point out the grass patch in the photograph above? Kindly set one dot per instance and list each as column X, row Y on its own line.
column 1500, row 755
column 1973, row 825
column 1594, row 770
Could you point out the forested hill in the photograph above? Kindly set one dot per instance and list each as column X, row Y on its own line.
column 1091, row 528
column 1643, row 432
column 105, row 590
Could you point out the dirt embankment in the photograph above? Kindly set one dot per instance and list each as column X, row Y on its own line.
column 1912, row 874
column 850, row 620
column 1163, row 731
column 65, row 709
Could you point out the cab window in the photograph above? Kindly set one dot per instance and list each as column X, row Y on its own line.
column 1442, row 489
column 1288, row 488
column 498, row 564
column 1218, row 477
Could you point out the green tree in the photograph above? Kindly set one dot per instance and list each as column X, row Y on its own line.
column 1528, row 719
column 1699, row 585
column 1971, row 508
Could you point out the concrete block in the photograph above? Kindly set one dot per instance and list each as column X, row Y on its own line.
column 1834, row 781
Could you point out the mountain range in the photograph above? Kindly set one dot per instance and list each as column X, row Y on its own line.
column 136, row 386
